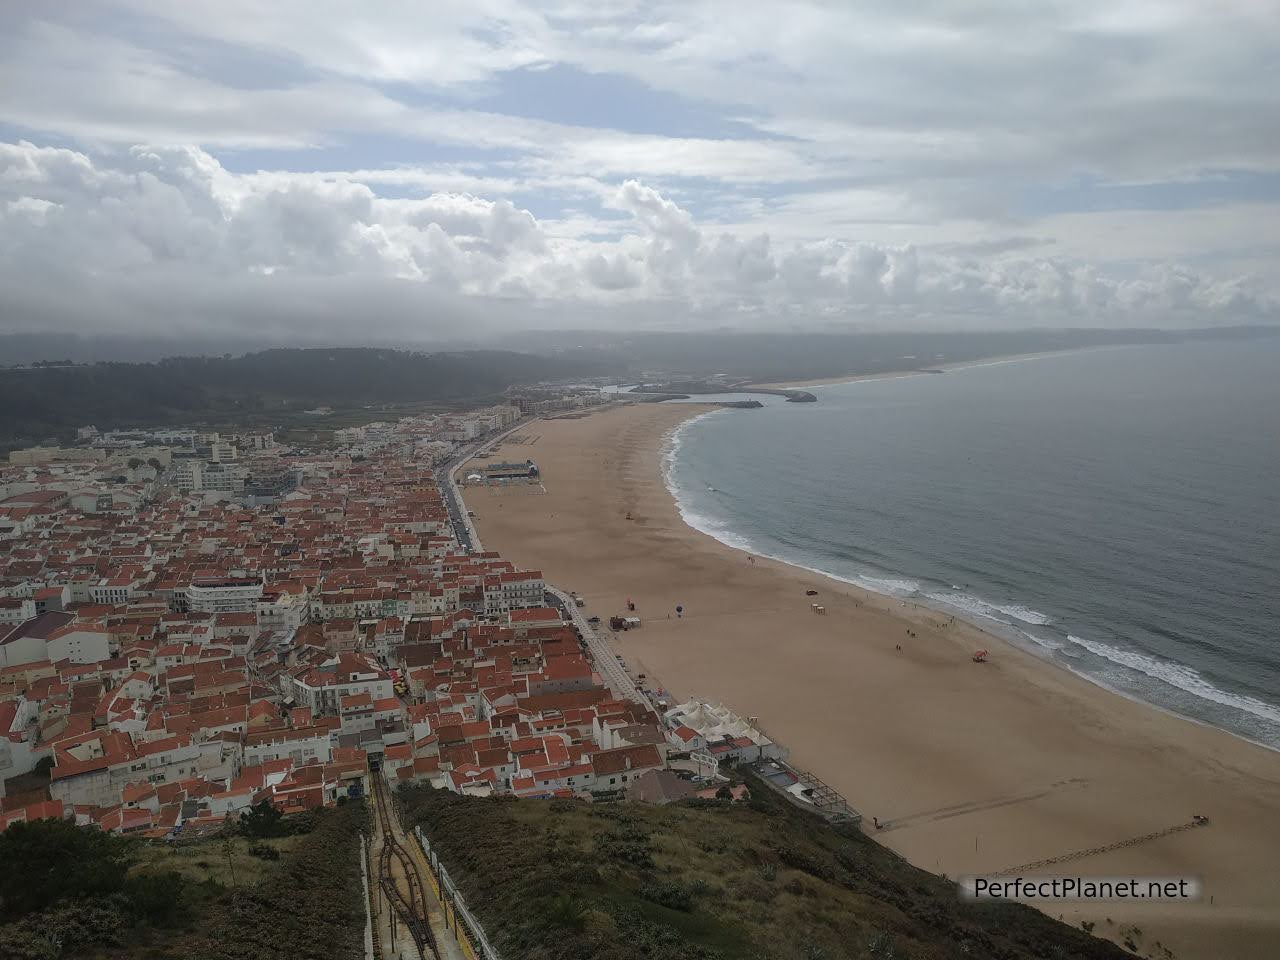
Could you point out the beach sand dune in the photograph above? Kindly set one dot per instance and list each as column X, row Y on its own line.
column 975, row 768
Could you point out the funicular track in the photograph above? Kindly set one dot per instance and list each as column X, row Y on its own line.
column 399, row 879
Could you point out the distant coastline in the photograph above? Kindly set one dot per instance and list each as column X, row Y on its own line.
column 934, row 368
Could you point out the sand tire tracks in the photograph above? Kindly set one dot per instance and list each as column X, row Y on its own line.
column 962, row 809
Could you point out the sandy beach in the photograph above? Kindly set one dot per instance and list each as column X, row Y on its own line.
column 925, row 368
column 975, row 768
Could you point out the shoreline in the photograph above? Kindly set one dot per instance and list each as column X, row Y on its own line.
column 974, row 769
column 924, row 371
column 669, row 446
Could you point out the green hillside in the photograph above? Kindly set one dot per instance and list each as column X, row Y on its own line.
column 67, row 892
column 575, row 881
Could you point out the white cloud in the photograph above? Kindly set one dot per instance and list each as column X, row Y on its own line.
column 98, row 239
column 444, row 45
column 873, row 90
column 1092, row 161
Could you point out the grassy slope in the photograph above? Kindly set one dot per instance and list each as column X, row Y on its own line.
column 206, row 861
column 571, row 880
column 308, row 905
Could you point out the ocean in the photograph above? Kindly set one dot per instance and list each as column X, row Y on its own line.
column 1116, row 511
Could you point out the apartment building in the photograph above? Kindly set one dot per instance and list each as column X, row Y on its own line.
column 224, row 594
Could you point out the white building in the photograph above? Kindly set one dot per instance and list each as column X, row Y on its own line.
column 283, row 611
column 18, row 735
column 724, row 733
column 322, row 688
column 53, row 636
column 513, row 590
column 113, row 590
column 301, row 746
column 224, row 594
column 201, row 476
column 79, row 644
column 96, row 770
column 16, row 609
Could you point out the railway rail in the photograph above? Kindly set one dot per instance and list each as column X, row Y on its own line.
column 399, row 879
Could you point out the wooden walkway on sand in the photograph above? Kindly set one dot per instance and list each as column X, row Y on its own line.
column 1105, row 848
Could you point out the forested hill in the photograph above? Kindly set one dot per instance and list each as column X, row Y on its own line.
column 272, row 387
column 49, row 401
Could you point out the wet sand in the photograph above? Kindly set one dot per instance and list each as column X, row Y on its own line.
column 976, row 768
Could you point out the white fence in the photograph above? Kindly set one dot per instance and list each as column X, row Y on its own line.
column 449, row 891
column 368, row 914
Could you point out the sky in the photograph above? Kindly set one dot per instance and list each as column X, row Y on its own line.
column 307, row 170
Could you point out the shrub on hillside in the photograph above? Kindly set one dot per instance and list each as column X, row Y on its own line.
column 68, row 930
column 668, row 893
column 264, row 851
column 45, row 861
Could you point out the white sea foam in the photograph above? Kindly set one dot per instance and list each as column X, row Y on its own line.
column 1025, row 614
column 1180, row 677
column 1048, row 643
column 672, row 442
column 718, row 530
column 722, row 531
column 991, row 611
column 712, row 527
column 889, row 585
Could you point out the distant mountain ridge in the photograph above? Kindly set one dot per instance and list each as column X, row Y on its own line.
column 50, row 401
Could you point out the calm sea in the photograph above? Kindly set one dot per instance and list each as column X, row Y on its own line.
column 1116, row 511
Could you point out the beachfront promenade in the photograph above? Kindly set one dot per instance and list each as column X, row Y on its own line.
column 607, row 664
column 611, row 670
column 464, row 530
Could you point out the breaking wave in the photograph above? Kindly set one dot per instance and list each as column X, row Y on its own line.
column 991, row 611
column 1180, row 677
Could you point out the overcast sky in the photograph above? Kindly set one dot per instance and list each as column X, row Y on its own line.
column 302, row 169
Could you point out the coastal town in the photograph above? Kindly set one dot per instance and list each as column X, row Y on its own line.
column 192, row 624
column 205, row 630
column 680, row 481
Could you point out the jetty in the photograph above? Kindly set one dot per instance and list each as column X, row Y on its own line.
column 687, row 389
